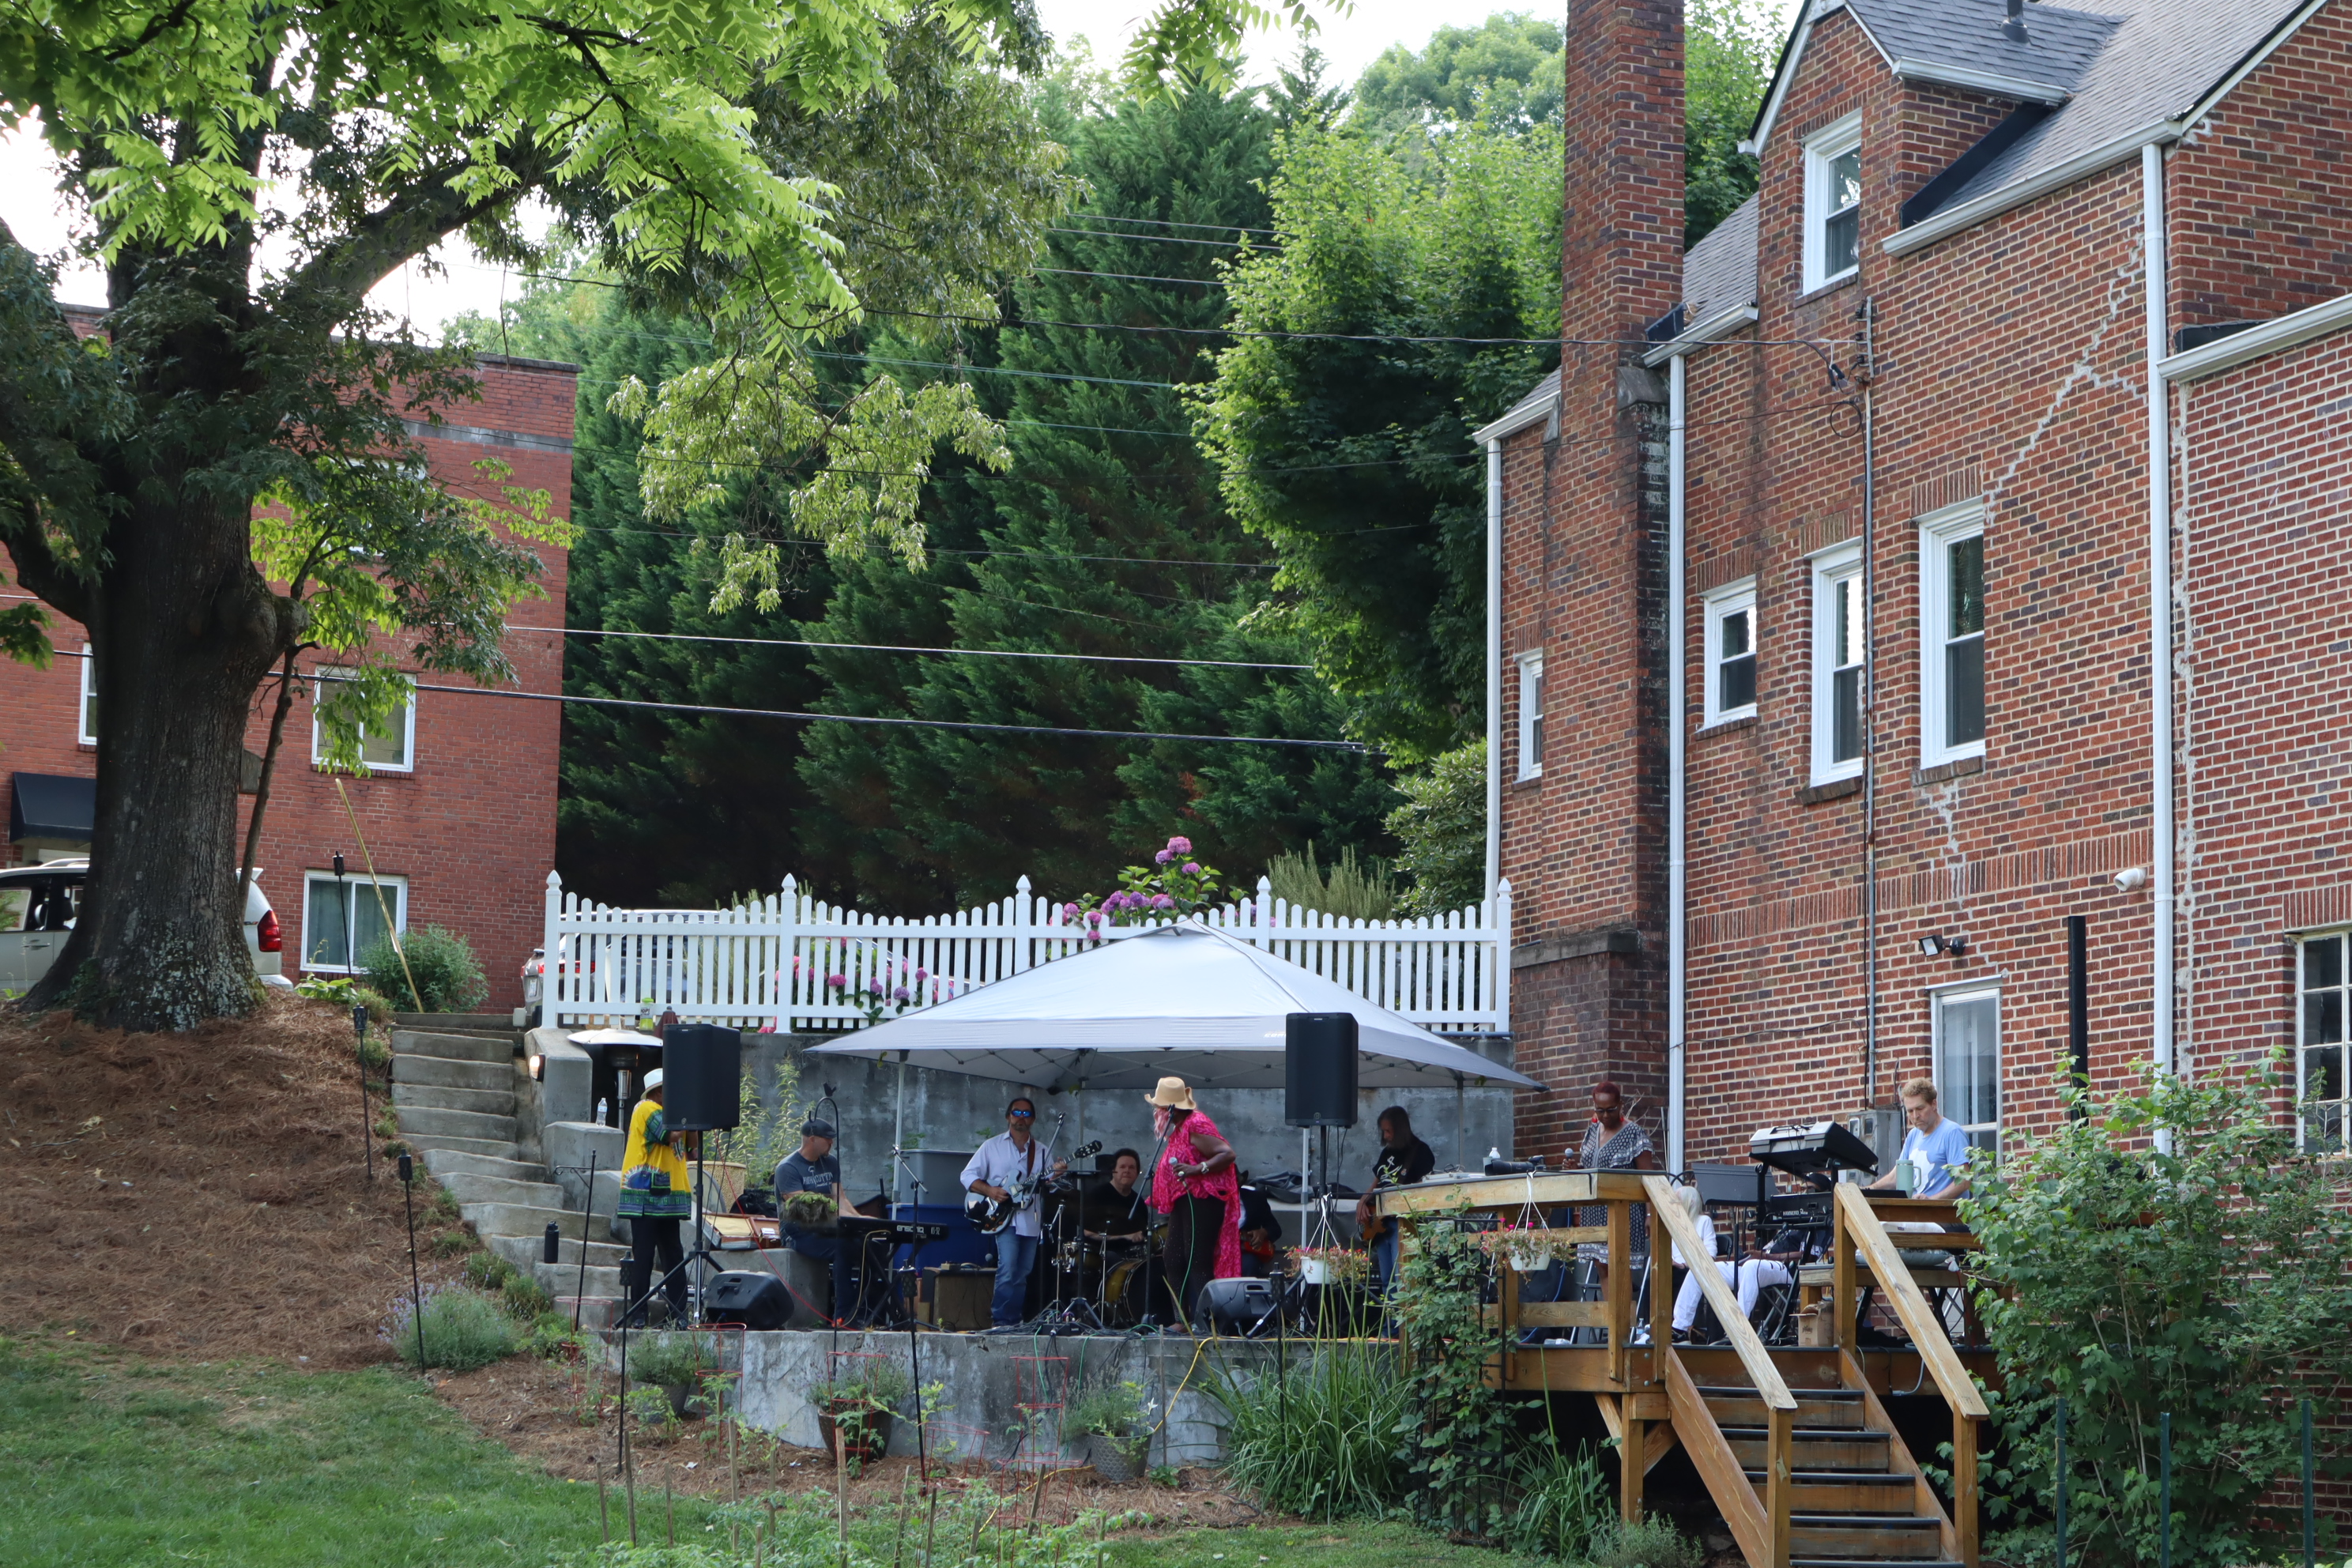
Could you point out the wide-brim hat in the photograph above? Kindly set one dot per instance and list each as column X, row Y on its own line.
column 1174, row 1094
column 652, row 1080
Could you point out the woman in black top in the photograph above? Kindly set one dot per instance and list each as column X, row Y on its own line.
column 1404, row 1159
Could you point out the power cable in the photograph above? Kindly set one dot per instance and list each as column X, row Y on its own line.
column 898, row 648
column 1171, row 223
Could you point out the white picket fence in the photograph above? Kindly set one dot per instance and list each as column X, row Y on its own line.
column 773, row 963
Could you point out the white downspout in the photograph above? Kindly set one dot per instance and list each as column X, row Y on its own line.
column 1677, row 863
column 2160, row 608
column 1495, row 667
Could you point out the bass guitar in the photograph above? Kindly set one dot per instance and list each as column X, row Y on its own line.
column 989, row 1215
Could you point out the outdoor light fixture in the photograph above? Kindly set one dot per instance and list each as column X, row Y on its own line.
column 538, row 1068
column 1932, row 945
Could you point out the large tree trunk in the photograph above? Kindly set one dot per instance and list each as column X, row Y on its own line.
column 182, row 631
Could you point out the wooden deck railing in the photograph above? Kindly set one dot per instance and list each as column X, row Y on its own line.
column 1858, row 1230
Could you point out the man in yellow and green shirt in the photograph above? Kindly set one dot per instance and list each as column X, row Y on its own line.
column 656, row 1194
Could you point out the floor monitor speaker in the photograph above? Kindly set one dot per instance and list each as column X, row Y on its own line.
column 753, row 1299
column 702, row 1077
column 1320, row 1076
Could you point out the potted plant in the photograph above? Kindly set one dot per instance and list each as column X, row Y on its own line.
column 1331, row 1265
column 1528, row 1249
column 1111, row 1426
column 860, row 1406
column 675, row 1362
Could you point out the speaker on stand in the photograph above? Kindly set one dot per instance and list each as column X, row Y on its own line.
column 702, row 1091
column 1319, row 1090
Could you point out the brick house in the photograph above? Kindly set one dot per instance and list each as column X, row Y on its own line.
column 458, row 811
column 1858, row 707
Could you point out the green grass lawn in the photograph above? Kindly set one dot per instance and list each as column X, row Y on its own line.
column 107, row 1459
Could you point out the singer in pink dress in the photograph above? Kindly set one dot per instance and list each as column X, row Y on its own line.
column 1197, row 1187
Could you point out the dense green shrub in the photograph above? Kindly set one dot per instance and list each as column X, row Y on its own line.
column 448, row 976
column 1459, row 1433
column 1653, row 1543
column 488, row 1271
column 1321, row 1439
column 1565, row 1504
column 670, row 1357
column 2168, row 1249
column 527, row 1298
column 1352, row 888
column 463, row 1330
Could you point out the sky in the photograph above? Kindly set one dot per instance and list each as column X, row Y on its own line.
column 29, row 203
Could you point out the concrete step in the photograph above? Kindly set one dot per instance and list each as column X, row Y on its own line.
column 445, row 1163
column 459, row 1023
column 432, row 1144
column 445, row 1072
column 456, row 1047
column 562, row 1280
column 468, row 1188
column 525, row 1252
column 433, row 1097
column 429, row 1123
column 519, row 1219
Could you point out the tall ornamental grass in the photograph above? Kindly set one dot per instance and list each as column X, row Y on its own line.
column 1319, row 1441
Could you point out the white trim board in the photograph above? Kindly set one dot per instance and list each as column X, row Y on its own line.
column 2274, row 336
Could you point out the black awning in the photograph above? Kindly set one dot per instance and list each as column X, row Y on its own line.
column 51, row 806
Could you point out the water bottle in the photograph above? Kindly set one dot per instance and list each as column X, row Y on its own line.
column 604, row 1109
column 1494, row 1155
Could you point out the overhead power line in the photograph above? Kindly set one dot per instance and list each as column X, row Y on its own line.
column 1171, row 223
column 1156, row 239
column 898, row 647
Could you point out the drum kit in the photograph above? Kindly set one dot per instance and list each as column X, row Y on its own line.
column 1095, row 1274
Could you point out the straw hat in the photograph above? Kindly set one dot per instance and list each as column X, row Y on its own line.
column 1172, row 1094
column 653, row 1081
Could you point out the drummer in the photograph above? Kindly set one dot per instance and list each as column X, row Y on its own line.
column 1114, row 1211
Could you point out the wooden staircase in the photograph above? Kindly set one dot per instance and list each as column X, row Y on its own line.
column 1854, row 1496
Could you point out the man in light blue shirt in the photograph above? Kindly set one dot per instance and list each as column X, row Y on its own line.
column 1013, row 1160
column 1935, row 1149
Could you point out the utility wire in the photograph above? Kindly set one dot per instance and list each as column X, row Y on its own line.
column 1171, row 223
column 897, row 647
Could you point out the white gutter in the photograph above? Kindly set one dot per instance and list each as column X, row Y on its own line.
column 1677, row 802
column 1495, row 669
column 1535, row 412
column 1992, row 203
column 2273, row 336
column 1715, row 329
column 2018, row 89
column 2159, row 607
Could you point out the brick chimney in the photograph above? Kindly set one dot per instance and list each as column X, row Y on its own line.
column 1585, row 847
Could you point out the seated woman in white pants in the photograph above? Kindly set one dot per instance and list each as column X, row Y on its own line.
column 1687, row 1299
column 1748, row 1276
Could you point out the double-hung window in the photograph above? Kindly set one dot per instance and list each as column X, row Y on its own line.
column 1840, row 659
column 87, row 731
column 1833, row 203
column 1730, row 652
column 1951, row 634
column 389, row 748
column 1968, row 1063
column 2322, row 979
column 343, row 917
column 1531, row 715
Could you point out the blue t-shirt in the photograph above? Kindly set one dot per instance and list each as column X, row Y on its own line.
column 1944, row 1153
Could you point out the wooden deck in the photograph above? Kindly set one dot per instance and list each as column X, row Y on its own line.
column 1794, row 1445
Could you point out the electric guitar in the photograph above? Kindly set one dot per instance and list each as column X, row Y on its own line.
column 989, row 1215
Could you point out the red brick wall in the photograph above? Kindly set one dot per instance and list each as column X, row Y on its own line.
column 2008, row 366
column 473, row 828
column 2257, row 189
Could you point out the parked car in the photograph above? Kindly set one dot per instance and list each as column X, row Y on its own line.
column 38, row 906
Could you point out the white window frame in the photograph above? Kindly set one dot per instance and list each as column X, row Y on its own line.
column 356, row 887
column 2305, row 1044
column 1720, row 605
column 84, row 730
column 1530, row 755
column 1938, row 532
column 1822, row 149
column 1939, row 999
column 1831, row 568
column 408, row 736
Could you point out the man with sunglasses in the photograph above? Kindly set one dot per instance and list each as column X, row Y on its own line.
column 1009, row 1158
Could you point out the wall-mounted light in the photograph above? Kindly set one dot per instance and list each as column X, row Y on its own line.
column 538, row 1069
column 1931, row 945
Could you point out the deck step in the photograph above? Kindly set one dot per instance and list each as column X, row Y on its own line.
column 1845, row 1492
column 1818, row 1408
column 1864, row 1537
column 1811, row 1450
column 1795, row 1562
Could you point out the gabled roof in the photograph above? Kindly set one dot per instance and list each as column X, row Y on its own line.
column 1719, row 271
column 2111, row 70
column 1537, row 405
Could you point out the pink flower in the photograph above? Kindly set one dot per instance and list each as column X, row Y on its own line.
column 921, row 975
column 1180, row 846
column 1070, row 912
column 1094, row 916
column 796, row 963
column 1191, row 868
column 1162, row 902
column 1164, row 857
column 874, row 987
column 836, row 981
column 902, row 995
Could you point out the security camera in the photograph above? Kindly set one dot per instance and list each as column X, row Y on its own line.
column 2131, row 879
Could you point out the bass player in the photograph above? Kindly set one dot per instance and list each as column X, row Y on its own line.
column 1011, row 1159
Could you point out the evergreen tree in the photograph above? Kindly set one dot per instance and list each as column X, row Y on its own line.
column 1107, row 538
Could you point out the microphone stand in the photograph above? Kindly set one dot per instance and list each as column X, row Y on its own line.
column 1151, row 1306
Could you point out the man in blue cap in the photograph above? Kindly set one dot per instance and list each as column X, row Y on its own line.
column 813, row 1168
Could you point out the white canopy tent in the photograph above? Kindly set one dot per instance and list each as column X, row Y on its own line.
column 1184, row 1000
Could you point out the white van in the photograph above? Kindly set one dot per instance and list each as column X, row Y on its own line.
column 38, row 906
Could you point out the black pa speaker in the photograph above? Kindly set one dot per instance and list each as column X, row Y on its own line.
column 1318, row 1086
column 702, row 1077
column 1238, row 1306
column 755, row 1301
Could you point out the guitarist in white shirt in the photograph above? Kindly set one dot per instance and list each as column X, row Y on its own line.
column 1013, row 1157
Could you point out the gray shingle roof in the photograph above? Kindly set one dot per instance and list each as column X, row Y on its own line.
column 2059, row 45
column 1719, row 271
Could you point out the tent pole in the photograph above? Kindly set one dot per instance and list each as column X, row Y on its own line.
column 1461, row 1154
column 899, row 1124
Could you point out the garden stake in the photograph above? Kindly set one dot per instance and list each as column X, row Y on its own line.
column 2307, row 1521
column 2062, row 1483
column 2164, row 1490
column 603, row 1509
column 841, row 1486
column 669, row 1502
column 359, row 1054
column 930, row 1529
column 906, row 1503
column 588, row 1207
column 415, row 1289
